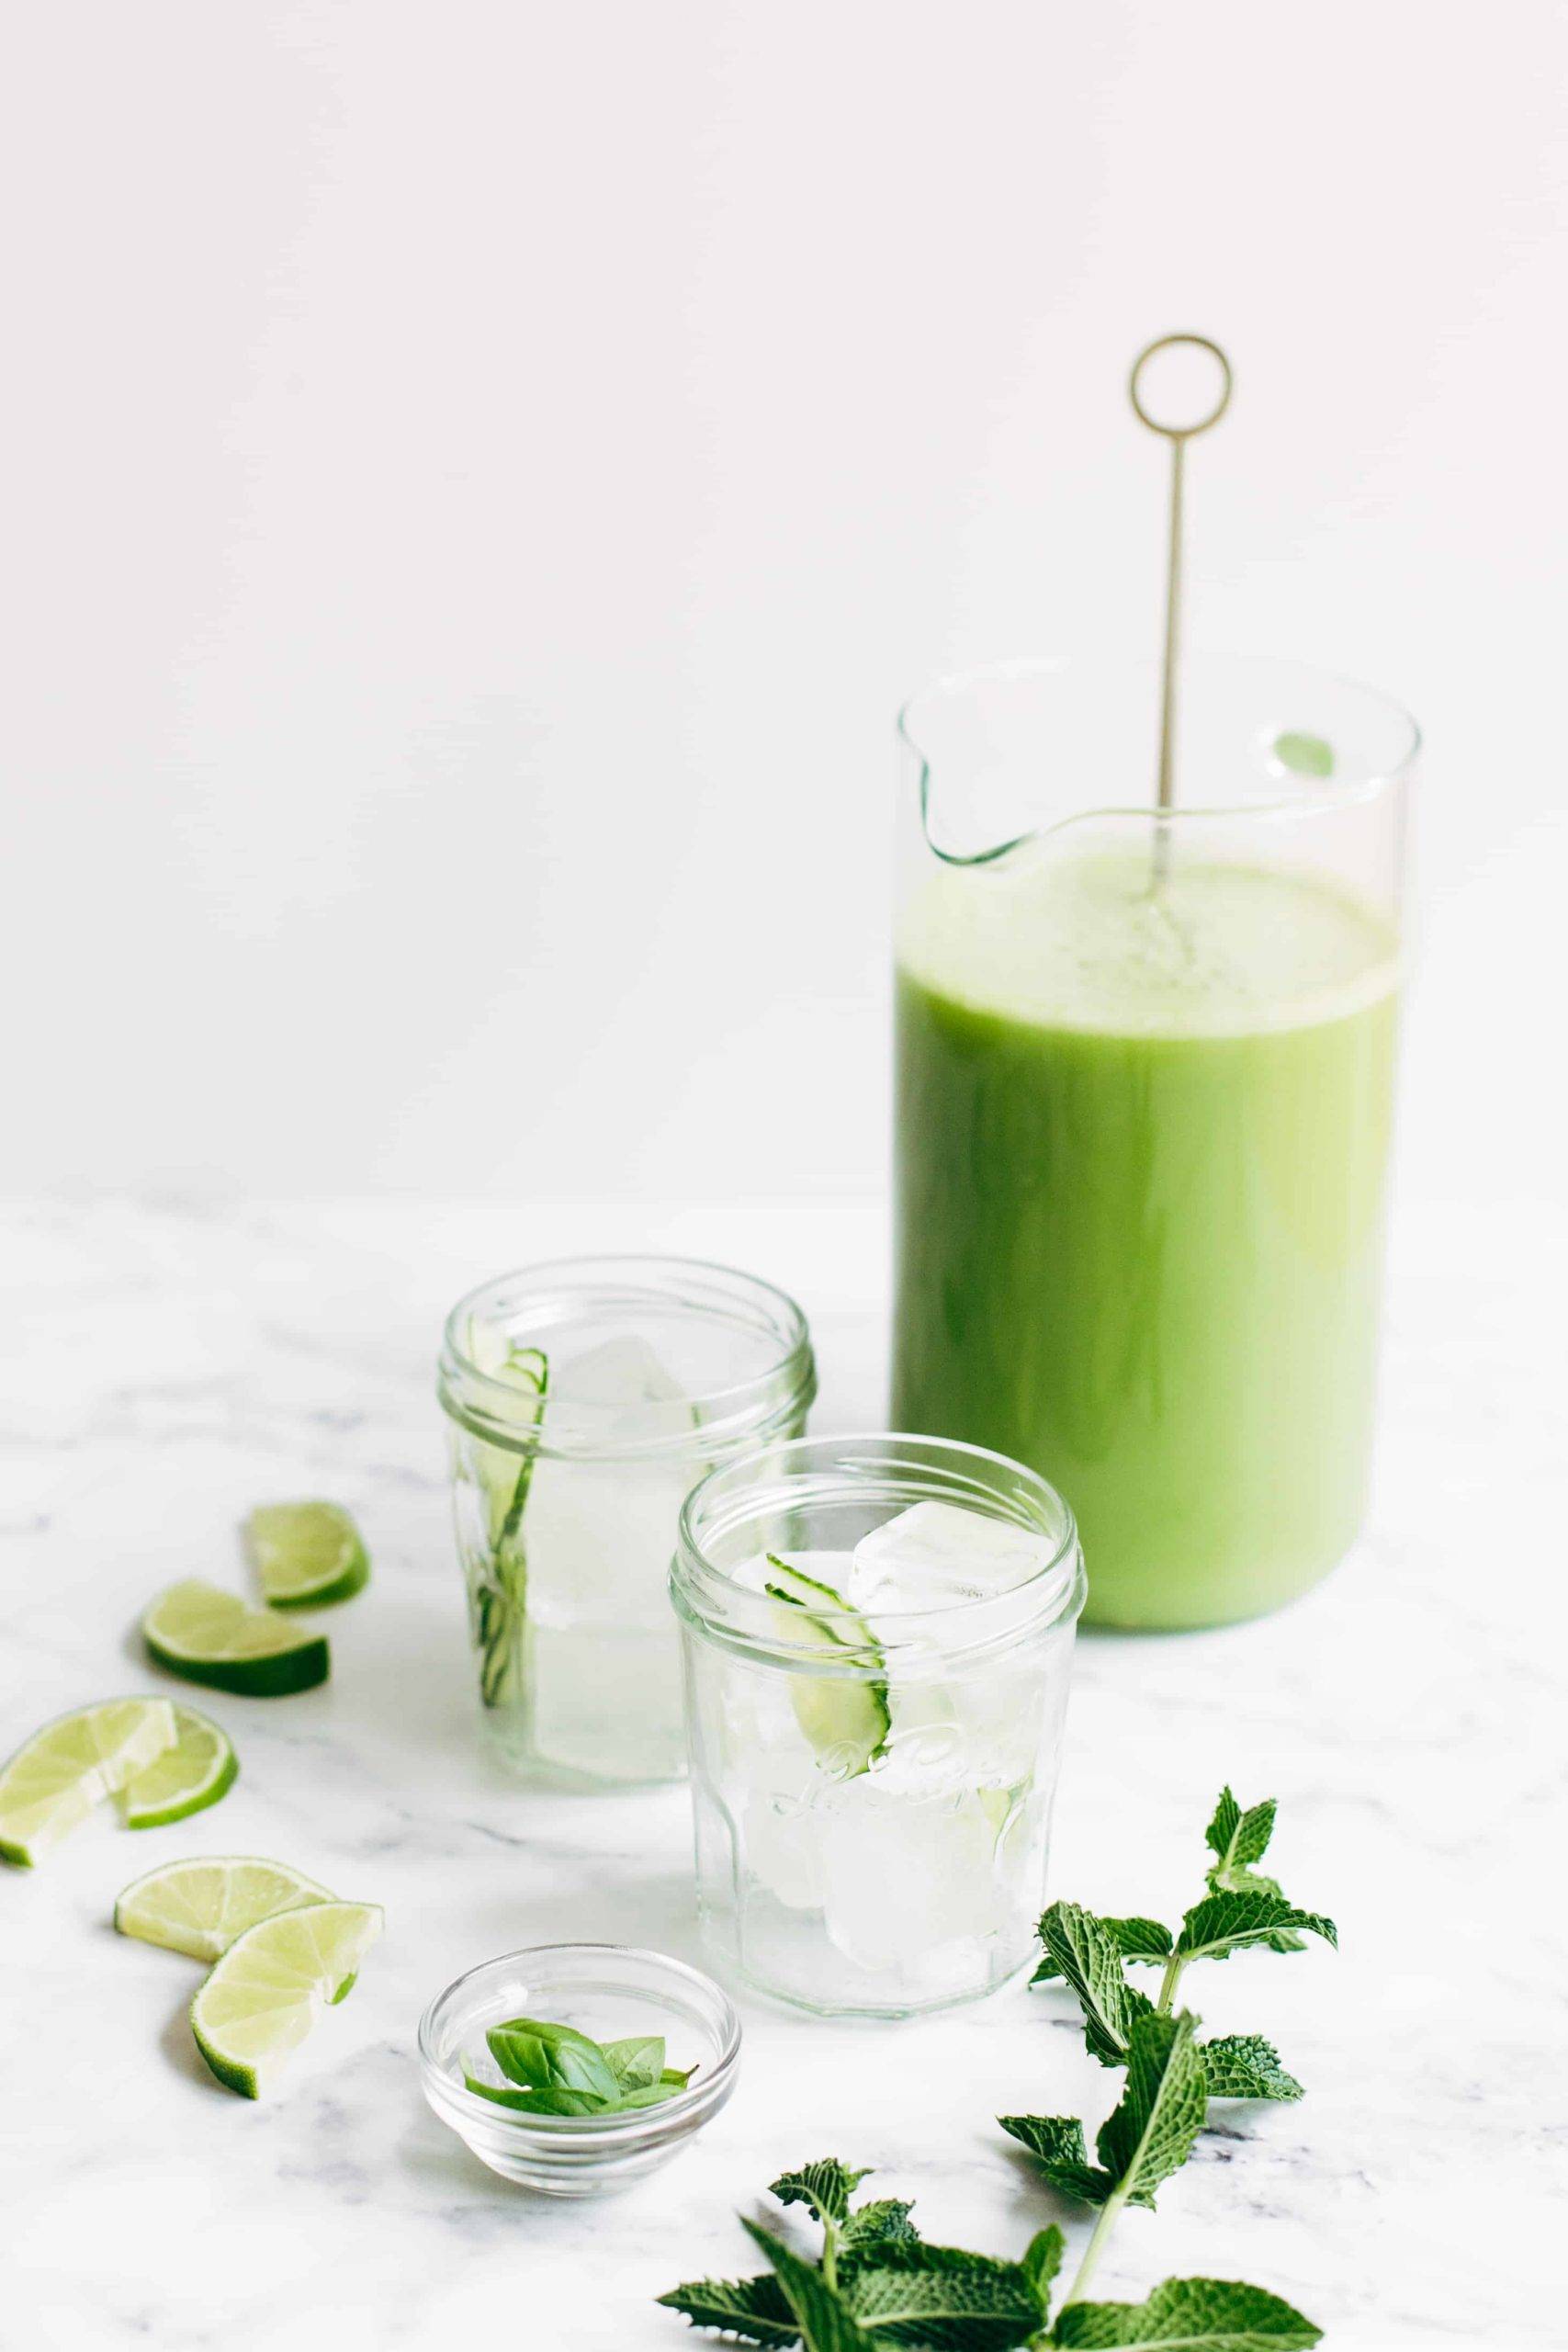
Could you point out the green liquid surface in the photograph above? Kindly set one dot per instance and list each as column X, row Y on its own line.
column 1142, row 1139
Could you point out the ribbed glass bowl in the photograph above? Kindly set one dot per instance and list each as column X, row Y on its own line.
column 609, row 1991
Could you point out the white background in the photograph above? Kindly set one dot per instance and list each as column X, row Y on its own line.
column 480, row 477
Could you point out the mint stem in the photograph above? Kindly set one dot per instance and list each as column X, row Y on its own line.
column 1095, row 2246
column 1170, row 1981
column 829, row 2250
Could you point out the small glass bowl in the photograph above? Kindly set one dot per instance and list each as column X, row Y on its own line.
column 609, row 1991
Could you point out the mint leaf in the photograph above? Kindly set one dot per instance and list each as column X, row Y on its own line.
column 885, row 2221
column 1150, row 2134
column 1091, row 1963
column 1240, row 1881
column 1304, row 754
column 1236, row 1837
column 1043, row 2259
column 553, row 2098
column 1200, row 2315
column 1056, row 2144
column 1244, row 2066
column 1143, row 1940
column 531, row 2050
column 826, row 2186
column 753, row 2308
column 1140, row 1939
column 1237, row 1840
column 942, row 2298
column 637, row 2061
column 1222, row 1924
column 824, row 2318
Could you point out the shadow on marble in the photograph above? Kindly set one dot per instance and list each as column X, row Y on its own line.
column 655, row 1909
column 177, row 2043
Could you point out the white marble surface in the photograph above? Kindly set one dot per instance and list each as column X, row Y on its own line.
column 170, row 1365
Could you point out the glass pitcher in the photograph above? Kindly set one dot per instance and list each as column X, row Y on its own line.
column 1143, row 1095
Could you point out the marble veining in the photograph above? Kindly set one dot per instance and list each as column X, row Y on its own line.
column 174, row 1361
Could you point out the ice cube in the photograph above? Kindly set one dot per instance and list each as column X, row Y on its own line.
column 627, row 1374
column 598, row 1537
column 598, row 1540
column 607, row 1699
column 782, row 1828
column 830, row 1568
column 936, row 1554
column 925, row 1753
column 901, row 1875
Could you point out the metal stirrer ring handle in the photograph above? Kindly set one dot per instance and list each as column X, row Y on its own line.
column 1178, row 437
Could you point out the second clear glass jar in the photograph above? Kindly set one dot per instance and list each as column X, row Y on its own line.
column 872, row 1783
column 585, row 1398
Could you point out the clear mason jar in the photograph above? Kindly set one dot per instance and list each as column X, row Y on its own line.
column 585, row 1398
column 873, row 1787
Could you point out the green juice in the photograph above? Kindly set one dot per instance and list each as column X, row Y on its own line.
column 1143, row 1135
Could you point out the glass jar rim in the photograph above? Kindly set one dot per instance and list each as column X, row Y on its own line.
column 781, row 1389
column 1323, row 795
column 950, row 1470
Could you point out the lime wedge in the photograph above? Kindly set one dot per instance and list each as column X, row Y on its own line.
column 194, row 1772
column 200, row 1905
column 306, row 1555
column 209, row 1637
column 70, row 1765
column 844, row 1717
column 272, row 1984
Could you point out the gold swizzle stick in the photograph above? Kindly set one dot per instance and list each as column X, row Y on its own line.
column 1178, row 437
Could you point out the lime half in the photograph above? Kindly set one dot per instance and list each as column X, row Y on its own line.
column 194, row 1772
column 306, row 1555
column 199, row 1907
column 71, row 1765
column 272, row 1984
column 844, row 1715
column 209, row 1637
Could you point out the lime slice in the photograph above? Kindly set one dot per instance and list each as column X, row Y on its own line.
column 306, row 1555
column 200, row 1905
column 70, row 1765
column 194, row 1772
column 209, row 1637
column 272, row 1984
column 844, row 1717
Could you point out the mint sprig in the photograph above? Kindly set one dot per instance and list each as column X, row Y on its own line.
column 877, row 2284
column 1243, row 1909
column 1171, row 2076
column 877, row 2287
